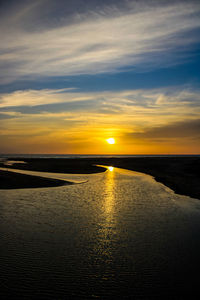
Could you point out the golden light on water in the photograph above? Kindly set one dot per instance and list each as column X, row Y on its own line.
column 111, row 141
column 109, row 197
column 107, row 227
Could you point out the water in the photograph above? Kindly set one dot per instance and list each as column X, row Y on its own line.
column 118, row 235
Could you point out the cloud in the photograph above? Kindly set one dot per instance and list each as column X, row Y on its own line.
column 5, row 115
column 168, row 103
column 95, row 41
column 140, row 111
column 183, row 129
column 32, row 97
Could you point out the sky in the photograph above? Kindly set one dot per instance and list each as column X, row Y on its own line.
column 75, row 73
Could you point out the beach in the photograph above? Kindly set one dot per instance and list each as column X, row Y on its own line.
column 181, row 174
column 13, row 180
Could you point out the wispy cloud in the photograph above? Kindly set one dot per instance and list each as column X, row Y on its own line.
column 176, row 130
column 162, row 100
column 32, row 97
column 97, row 41
column 131, row 110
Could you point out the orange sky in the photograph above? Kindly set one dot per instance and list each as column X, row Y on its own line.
column 164, row 125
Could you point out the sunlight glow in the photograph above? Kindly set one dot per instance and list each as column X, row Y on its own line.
column 110, row 169
column 111, row 141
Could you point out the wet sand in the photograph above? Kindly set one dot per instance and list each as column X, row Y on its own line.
column 181, row 174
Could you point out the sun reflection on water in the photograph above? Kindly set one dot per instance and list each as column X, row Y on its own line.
column 109, row 194
column 106, row 234
column 110, row 169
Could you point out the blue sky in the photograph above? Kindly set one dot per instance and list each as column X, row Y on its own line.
column 74, row 69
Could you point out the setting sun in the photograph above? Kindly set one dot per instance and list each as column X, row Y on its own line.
column 111, row 141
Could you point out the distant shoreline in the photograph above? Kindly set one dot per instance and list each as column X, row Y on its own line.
column 91, row 156
column 180, row 173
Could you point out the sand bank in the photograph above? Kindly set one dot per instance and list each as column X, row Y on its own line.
column 11, row 180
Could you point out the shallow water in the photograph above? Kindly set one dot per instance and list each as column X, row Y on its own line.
column 118, row 235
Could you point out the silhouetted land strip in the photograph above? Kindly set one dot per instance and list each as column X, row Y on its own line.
column 12, row 180
column 182, row 174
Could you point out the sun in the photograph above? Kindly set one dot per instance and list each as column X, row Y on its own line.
column 111, row 141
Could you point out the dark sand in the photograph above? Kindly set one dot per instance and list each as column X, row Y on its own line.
column 182, row 174
column 11, row 180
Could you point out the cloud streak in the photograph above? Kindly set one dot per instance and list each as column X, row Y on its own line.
column 138, row 109
column 95, row 42
column 180, row 130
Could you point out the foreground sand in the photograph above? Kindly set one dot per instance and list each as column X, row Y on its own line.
column 10, row 180
column 182, row 174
